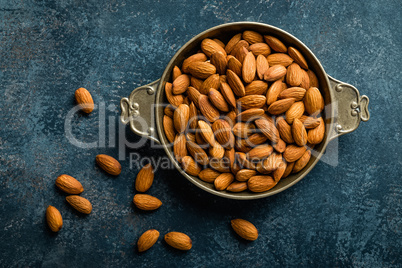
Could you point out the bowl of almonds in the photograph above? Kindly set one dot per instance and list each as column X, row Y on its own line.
column 244, row 110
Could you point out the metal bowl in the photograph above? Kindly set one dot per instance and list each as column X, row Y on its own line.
column 344, row 107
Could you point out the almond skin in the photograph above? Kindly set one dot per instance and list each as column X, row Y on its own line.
column 235, row 83
column 302, row 162
column 232, row 42
column 313, row 101
column 275, row 44
column 274, row 73
column 223, row 133
column 219, row 61
column 54, row 219
column 285, row 131
column 249, row 68
column 144, row 178
column 316, row 135
column 201, row 70
column 245, row 229
column 313, row 79
column 237, row 187
column 260, row 183
column 269, row 164
column 180, row 117
column 174, row 100
column 193, row 58
column 252, row 37
column 81, row 204
column 298, row 57
column 84, row 100
column 280, row 146
column 207, row 109
column 235, row 65
column 206, row 132
column 260, row 152
column 169, row 128
column 208, row 175
column 245, row 174
column 180, row 84
column 197, row 153
column 69, row 184
column 194, row 95
column 292, row 92
column 280, row 106
column 262, row 66
column 223, row 181
column 179, row 147
column 299, row 132
column 218, row 100
column 146, row 202
column 251, row 101
column 169, row 110
column 209, row 47
column 228, row 94
column 310, row 122
column 108, row 164
column 147, row 240
column 176, row 73
column 293, row 152
column 294, row 75
column 288, row 170
column 243, row 130
column 295, row 111
column 268, row 129
column 273, row 92
column 216, row 151
column 190, row 166
column 211, row 82
column 178, row 240
column 260, row 49
column 257, row 87
column 250, row 114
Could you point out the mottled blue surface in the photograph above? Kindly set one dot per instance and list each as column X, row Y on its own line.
column 344, row 215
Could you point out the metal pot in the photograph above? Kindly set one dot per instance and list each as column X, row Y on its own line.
column 344, row 109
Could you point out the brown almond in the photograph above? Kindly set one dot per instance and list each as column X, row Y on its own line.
column 279, row 59
column 293, row 152
column 257, row 87
column 299, row 132
column 252, row 37
column 241, row 54
column 268, row 128
column 218, row 100
column 201, row 70
column 262, row 66
column 255, row 139
column 274, row 91
column 206, row 132
column 294, row 75
column 260, row 183
column 302, row 162
column 232, row 42
column 194, row 95
column 199, row 155
column 316, row 135
column 208, row 175
column 274, row 73
column 195, row 82
column 269, row 164
column 216, row 151
column 108, row 164
column 180, row 117
column 180, row 84
column 235, row 65
column 174, row 100
column 147, row 240
column 278, row 173
column 211, row 82
column 250, row 114
column 223, row 133
column 288, row 170
column 280, row 106
column 313, row 79
column 245, row 174
column 193, row 116
column 193, row 58
column 168, row 127
column 207, row 109
column 69, row 184
column 298, row 57
column 54, row 219
column 84, row 100
column 251, row 101
column 310, row 122
column 176, row 73
column 280, row 146
column 235, row 83
column 228, row 94
column 241, row 159
column 305, row 80
column 285, row 131
column 292, row 92
column 209, row 47
column 146, row 202
column 239, row 46
column 190, row 166
column 144, row 178
column 219, row 42
column 178, row 240
column 223, row 181
column 260, row 152
column 260, row 49
column 313, row 101
column 219, row 61
column 79, row 203
column 243, row 130
column 169, row 110
column 295, row 111
column 249, row 68
column 237, row 187
column 179, row 147
column 275, row 44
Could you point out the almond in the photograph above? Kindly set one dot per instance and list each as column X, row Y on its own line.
column 279, row 59
column 235, row 83
column 178, row 240
column 232, row 42
column 313, row 79
column 230, row 117
column 262, row 66
column 193, row 117
column 241, row 159
column 207, row 109
column 280, row 106
column 295, row 111
column 285, row 131
column 223, row 181
column 180, row 117
column 260, row 152
column 274, row 91
column 219, row 61
column 313, row 101
column 176, row 73
column 79, row 203
column 180, row 84
column 237, row 187
column 84, row 100
column 208, row 175
column 222, row 165
column 294, row 75
column 269, row 164
column 194, row 95
column 54, row 219
column 195, row 82
column 260, row 183
column 268, row 128
column 193, row 58
column 252, row 37
column 310, row 122
column 197, row 153
column 174, row 100
column 260, row 49
column 235, row 65
column 169, row 128
column 69, row 184
column 305, row 80
column 211, row 82
column 219, row 42
column 243, row 130
column 316, row 135
column 250, row 114
column 239, row 46
column 145, row 178
column 249, row 68
column 241, row 54
column 302, row 162
column 169, row 110
column 257, row 87
column 190, row 136
column 298, row 57
column 206, row 132
column 293, row 153
column 275, row 44
column 288, row 170
column 251, row 101
column 146, row 202
column 245, row 174
column 216, row 151
column 227, row 93
column 218, row 100
column 299, row 132
column 278, row 173
column 201, row 70
column 209, row 47
column 190, row 166
column 108, row 164
column 147, row 240
column 274, row 73
column 280, row 146
column 255, row 139
column 179, row 147
column 293, row 92
column 223, row 133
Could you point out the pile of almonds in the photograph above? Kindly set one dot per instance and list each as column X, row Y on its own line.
column 245, row 114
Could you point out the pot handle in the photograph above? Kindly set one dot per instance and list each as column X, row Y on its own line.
column 350, row 108
column 138, row 110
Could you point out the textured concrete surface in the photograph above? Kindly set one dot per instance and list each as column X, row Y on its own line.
column 344, row 215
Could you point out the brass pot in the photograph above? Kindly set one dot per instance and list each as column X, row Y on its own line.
column 344, row 107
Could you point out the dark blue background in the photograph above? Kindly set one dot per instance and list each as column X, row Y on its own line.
column 343, row 215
